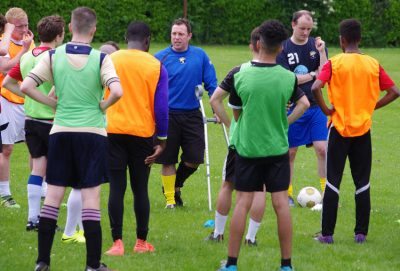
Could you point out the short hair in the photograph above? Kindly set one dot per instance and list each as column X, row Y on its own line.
column 15, row 14
column 50, row 27
column 137, row 31
column 350, row 30
column 3, row 22
column 272, row 34
column 255, row 36
column 299, row 13
column 113, row 44
column 183, row 21
column 83, row 19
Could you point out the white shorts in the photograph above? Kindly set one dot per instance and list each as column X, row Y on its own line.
column 14, row 114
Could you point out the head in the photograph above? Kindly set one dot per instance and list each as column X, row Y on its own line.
column 350, row 33
column 109, row 47
column 254, row 38
column 138, row 34
column 18, row 17
column 83, row 21
column 302, row 24
column 272, row 34
column 51, row 28
column 3, row 22
column 181, row 33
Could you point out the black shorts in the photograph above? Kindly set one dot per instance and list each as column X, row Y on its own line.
column 252, row 173
column 228, row 171
column 186, row 131
column 37, row 137
column 126, row 150
column 76, row 159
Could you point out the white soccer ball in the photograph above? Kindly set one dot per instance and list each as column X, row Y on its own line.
column 309, row 196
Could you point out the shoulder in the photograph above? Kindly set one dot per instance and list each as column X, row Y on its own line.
column 197, row 51
column 163, row 52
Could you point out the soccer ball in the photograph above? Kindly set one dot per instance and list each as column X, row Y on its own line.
column 309, row 197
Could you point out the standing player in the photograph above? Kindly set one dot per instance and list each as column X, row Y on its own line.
column 12, row 105
column 224, row 200
column 39, row 117
column 132, row 122
column 305, row 56
column 261, row 91
column 78, row 140
column 355, row 82
column 187, row 66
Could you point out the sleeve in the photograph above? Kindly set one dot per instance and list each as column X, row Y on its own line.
column 281, row 59
column 161, row 104
column 326, row 72
column 228, row 84
column 297, row 92
column 108, row 73
column 15, row 72
column 385, row 82
column 42, row 71
column 235, row 101
column 209, row 75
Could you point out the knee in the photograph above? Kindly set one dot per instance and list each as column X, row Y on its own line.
column 321, row 151
column 191, row 165
column 7, row 150
column 292, row 154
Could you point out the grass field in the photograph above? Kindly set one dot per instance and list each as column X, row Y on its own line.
column 178, row 235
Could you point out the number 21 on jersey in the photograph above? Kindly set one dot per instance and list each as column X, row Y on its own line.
column 293, row 58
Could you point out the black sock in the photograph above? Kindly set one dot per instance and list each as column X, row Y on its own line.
column 231, row 261
column 92, row 230
column 286, row 262
column 182, row 173
column 46, row 231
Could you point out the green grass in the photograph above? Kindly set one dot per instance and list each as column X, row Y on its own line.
column 178, row 234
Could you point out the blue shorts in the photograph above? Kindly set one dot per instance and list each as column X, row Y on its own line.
column 310, row 127
column 77, row 160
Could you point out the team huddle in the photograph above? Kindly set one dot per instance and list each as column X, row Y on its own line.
column 89, row 115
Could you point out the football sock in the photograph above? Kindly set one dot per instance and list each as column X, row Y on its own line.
column 231, row 261
column 44, row 188
column 322, row 182
column 286, row 262
column 92, row 228
column 182, row 173
column 220, row 221
column 252, row 230
column 74, row 211
column 5, row 188
column 169, row 188
column 46, row 231
column 34, row 188
column 290, row 191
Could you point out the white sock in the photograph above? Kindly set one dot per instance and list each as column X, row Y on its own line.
column 34, row 197
column 252, row 230
column 220, row 221
column 5, row 188
column 44, row 189
column 74, row 211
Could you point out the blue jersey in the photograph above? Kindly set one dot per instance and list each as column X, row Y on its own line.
column 186, row 70
column 301, row 59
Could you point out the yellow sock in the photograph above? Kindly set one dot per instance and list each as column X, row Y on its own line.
column 322, row 182
column 290, row 191
column 169, row 188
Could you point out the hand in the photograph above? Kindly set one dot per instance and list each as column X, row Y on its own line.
column 27, row 41
column 330, row 111
column 103, row 106
column 319, row 44
column 9, row 28
column 217, row 119
column 158, row 149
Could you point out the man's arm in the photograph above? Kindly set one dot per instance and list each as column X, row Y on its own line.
column 302, row 105
column 12, row 85
column 316, row 90
column 28, row 87
column 217, row 105
column 6, row 63
column 323, row 57
column 209, row 75
column 391, row 95
column 115, row 94
column 5, row 41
